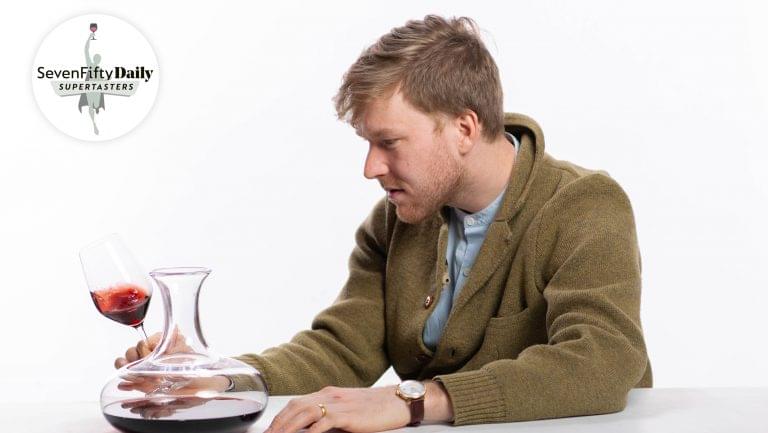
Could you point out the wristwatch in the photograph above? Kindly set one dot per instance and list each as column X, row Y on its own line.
column 413, row 392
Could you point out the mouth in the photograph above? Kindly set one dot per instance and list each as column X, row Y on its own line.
column 393, row 193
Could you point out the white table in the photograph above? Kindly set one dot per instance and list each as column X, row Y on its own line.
column 702, row 410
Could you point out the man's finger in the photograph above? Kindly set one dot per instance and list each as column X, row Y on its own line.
column 131, row 354
column 143, row 349
column 120, row 362
column 322, row 425
column 305, row 418
column 154, row 340
column 128, row 386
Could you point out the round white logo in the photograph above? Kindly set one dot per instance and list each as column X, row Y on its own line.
column 95, row 77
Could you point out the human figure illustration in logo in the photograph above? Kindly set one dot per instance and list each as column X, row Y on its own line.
column 94, row 100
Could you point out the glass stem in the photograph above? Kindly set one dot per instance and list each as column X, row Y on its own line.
column 142, row 332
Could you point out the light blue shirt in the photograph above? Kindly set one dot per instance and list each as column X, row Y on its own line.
column 466, row 233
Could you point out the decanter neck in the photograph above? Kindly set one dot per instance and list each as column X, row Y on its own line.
column 182, row 337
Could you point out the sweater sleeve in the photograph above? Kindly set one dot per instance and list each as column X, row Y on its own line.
column 346, row 343
column 588, row 270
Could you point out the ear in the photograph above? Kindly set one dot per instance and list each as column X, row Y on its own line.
column 468, row 129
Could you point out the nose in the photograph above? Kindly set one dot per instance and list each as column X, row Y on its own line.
column 375, row 164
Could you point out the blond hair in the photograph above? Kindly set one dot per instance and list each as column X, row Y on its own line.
column 440, row 65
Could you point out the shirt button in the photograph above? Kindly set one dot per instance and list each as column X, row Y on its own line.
column 470, row 221
column 465, row 272
column 428, row 301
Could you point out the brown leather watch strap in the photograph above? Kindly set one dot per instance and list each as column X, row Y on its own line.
column 417, row 411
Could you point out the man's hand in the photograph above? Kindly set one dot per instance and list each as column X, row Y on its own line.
column 357, row 410
column 174, row 385
column 141, row 350
column 149, row 409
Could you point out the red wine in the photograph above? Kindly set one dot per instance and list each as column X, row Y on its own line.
column 183, row 414
column 123, row 303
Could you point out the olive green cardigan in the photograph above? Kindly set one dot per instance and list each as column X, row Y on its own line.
column 547, row 324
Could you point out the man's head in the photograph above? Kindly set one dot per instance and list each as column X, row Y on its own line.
column 418, row 95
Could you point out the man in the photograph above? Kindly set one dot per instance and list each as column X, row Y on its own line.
column 507, row 283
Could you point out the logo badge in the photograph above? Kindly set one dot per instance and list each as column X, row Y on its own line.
column 95, row 77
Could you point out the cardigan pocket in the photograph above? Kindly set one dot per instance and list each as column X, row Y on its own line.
column 498, row 336
column 507, row 336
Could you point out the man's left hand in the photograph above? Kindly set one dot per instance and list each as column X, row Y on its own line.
column 357, row 410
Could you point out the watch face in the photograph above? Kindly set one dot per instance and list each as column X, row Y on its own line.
column 412, row 389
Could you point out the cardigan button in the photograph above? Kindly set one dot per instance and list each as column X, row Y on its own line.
column 428, row 301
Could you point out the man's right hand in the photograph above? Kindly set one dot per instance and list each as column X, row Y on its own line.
column 178, row 344
column 141, row 350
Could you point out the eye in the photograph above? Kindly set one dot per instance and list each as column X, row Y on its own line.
column 388, row 142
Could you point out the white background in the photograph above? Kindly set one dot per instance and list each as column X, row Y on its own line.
column 242, row 167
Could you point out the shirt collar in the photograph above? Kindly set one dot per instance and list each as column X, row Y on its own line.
column 512, row 139
column 482, row 217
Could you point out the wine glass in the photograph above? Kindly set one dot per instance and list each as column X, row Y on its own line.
column 119, row 287
column 94, row 27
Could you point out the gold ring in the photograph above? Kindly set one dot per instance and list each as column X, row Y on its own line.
column 322, row 409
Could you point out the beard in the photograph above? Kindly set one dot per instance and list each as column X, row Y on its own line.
column 438, row 186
